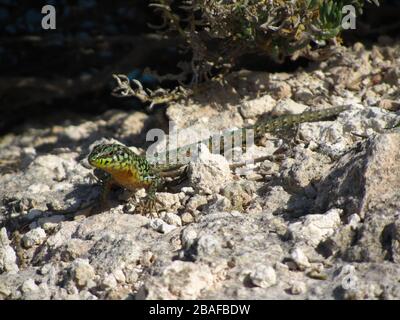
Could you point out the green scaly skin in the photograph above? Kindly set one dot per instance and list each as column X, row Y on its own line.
column 131, row 171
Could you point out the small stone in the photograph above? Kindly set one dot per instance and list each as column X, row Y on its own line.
column 281, row 90
column 263, row 276
column 172, row 218
column 169, row 201
column 304, row 95
column 288, row 106
column 317, row 272
column 195, row 202
column 219, row 204
column 34, row 237
column 45, row 269
column 207, row 245
column 189, row 235
column 256, row 107
column 354, row 221
column 187, row 190
column 167, row 228
column 161, row 226
column 179, row 280
column 147, row 259
column 131, row 275
column 5, row 291
column 29, row 286
column 109, row 282
column 297, row 288
column 300, row 259
column 187, row 218
column 83, row 273
column 208, row 173
column 8, row 258
column 38, row 188
column 316, row 227
column 119, row 275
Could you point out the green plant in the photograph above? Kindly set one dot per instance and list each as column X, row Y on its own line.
column 219, row 32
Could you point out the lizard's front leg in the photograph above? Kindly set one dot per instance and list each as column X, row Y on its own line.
column 106, row 187
column 149, row 203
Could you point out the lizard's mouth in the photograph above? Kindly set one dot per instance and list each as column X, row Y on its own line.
column 93, row 160
column 100, row 163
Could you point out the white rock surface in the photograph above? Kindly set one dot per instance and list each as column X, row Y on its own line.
column 8, row 257
column 34, row 237
column 315, row 228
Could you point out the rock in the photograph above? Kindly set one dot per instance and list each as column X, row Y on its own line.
column 288, row 106
column 300, row 173
column 180, row 280
column 218, row 204
column 76, row 133
column 297, row 288
column 263, row 276
column 365, row 182
column 109, row 282
column 281, row 90
column 197, row 115
column 33, row 237
column 209, row 173
column 187, row 218
column 169, row 201
column 5, row 291
column 276, row 199
column 29, row 286
column 172, row 219
column 188, row 236
column 300, row 259
column 207, row 244
column 62, row 235
column 160, row 226
column 8, row 258
column 239, row 195
column 257, row 107
column 195, row 202
column 315, row 228
column 82, row 273
column 131, row 275
column 119, row 276
column 38, row 188
column 188, row 190
column 395, row 243
column 304, row 95
column 147, row 259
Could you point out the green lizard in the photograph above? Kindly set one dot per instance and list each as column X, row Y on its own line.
column 131, row 171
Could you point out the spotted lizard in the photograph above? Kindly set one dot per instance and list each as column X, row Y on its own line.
column 126, row 169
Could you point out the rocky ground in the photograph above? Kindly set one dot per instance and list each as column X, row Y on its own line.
column 318, row 221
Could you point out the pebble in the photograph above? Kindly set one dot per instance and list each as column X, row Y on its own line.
column 34, row 237
column 161, row 226
column 263, row 276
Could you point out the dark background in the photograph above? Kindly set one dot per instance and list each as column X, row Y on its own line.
column 48, row 76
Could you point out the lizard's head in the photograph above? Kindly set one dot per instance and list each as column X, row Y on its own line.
column 109, row 156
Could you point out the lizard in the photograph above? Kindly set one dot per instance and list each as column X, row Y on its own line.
column 131, row 171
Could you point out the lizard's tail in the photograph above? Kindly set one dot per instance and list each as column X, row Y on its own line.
column 285, row 121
